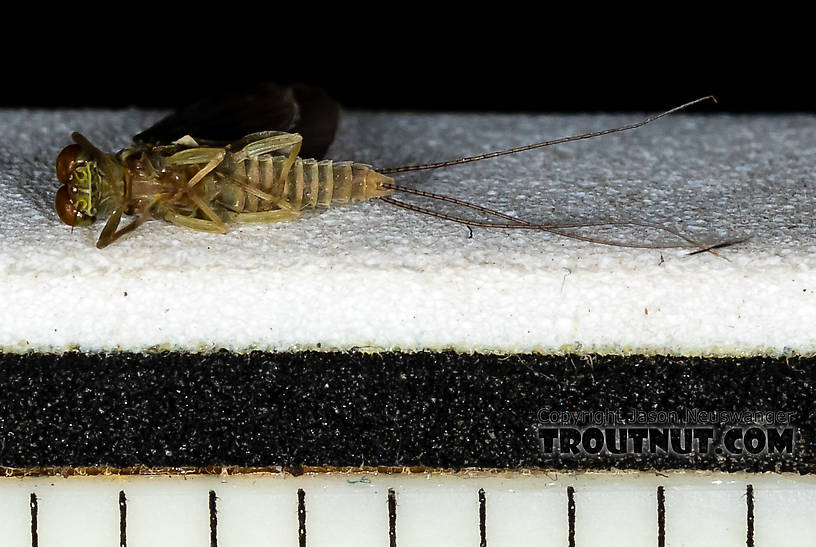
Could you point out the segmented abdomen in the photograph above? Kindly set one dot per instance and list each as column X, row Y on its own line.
column 309, row 183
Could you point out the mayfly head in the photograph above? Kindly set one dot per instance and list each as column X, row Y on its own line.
column 78, row 197
column 82, row 169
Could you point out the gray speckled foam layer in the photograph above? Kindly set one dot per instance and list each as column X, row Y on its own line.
column 373, row 275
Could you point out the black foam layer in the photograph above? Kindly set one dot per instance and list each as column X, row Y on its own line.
column 389, row 409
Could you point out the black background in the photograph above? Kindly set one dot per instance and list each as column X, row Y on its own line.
column 508, row 58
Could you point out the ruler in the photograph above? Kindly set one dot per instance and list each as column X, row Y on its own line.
column 387, row 510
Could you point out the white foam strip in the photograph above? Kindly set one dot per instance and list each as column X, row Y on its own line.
column 375, row 276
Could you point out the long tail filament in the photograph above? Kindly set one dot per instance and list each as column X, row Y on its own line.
column 558, row 229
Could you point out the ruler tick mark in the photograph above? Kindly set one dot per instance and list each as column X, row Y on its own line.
column 213, row 520
column 749, row 500
column 571, row 516
column 661, row 517
column 482, row 518
column 301, row 510
column 392, row 518
column 122, row 519
column 33, row 504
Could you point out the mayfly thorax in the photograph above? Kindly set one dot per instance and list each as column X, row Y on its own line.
column 191, row 170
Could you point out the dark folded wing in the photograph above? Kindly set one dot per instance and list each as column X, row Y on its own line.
column 229, row 116
column 319, row 116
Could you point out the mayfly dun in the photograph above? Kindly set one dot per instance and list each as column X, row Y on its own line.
column 242, row 157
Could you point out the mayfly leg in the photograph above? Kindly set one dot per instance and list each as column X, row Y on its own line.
column 110, row 233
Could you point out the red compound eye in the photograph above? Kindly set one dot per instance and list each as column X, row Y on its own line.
column 66, row 161
column 65, row 207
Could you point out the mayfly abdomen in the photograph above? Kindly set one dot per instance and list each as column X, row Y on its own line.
column 308, row 184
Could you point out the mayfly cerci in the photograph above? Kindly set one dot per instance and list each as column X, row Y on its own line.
column 237, row 158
